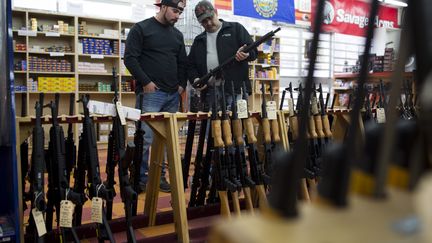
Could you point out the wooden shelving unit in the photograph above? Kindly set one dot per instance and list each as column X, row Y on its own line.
column 371, row 76
column 34, row 35
column 265, row 69
column 348, row 79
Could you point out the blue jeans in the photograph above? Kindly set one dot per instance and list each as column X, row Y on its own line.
column 158, row 101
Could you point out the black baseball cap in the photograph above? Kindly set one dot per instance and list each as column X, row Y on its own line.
column 204, row 9
column 179, row 4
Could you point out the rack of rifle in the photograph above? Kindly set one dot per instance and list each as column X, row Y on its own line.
column 384, row 144
column 235, row 159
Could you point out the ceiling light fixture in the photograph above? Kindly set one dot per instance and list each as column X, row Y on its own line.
column 395, row 3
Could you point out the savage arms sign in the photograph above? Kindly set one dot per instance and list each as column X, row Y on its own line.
column 351, row 17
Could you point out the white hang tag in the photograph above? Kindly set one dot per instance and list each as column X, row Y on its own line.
column 120, row 113
column 242, row 109
column 66, row 213
column 52, row 34
column 291, row 107
column 96, row 56
column 314, row 106
column 271, row 110
column 39, row 221
column 56, row 54
column 96, row 210
column 381, row 117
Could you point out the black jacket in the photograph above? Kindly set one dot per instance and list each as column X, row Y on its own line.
column 230, row 38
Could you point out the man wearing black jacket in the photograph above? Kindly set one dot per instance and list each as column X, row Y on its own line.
column 155, row 55
column 220, row 41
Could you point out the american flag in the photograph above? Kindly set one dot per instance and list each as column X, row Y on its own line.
column 223, row 4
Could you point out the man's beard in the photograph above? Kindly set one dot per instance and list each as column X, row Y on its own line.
column 171, row 23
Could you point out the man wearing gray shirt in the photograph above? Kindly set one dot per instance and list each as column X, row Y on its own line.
column 220, row 41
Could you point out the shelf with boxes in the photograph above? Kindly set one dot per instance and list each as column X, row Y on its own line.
column 98, row 54
column 265, row 69
column 61, row 53
column 127, row 81
column 345, row 83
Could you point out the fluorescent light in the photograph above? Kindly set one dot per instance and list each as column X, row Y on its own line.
column 395, row 3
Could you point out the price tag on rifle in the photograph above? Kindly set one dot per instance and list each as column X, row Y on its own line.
column 271, row 110
column 66, row 213
column 291, row 107
column 314, row 106
column 242, row 109
column 381, row 117
column 39, row 221
column 96, row 210
column 120, row 113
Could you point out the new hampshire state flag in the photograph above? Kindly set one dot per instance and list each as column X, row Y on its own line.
column 276, row 10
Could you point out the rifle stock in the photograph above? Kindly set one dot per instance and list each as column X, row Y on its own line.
column 274, row 123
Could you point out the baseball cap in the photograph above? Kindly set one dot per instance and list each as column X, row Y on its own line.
column 180, row 4
column 204, row 9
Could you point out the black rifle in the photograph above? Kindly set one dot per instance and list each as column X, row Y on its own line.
column 240, row 155
column 293, row 129
column 288, row 169
column 274, row 125
column 367, row 116
column 205, row 172
column 339, row 157
column 283, row 98
column 221, row 177
column 300, row 103
column 128, row 195
column 407, row 108
column 199, row 164
column 123, row 158
column 217, row 70
column 206, row 164
column 37, row 172
column 113, row 156
column 257, row 172
column 229, row 158
column 382, row 99
column 88, row 153
column 324, row 117
column 317, row 144
column 410, row 99
column 309, row 171
column 135, row 167
column 189, row 146
column 58, row 185
column 83, row 163
column 69, row 143
column 267, row 134
column 335, row 96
